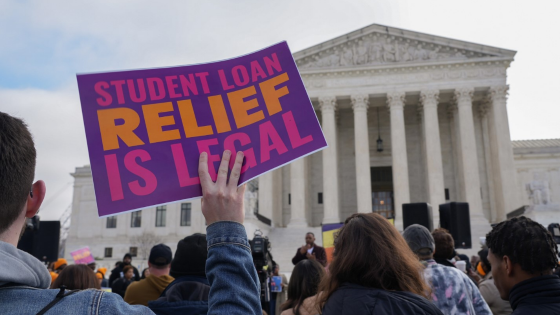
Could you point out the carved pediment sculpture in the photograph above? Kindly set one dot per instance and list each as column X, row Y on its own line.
column 378, row 49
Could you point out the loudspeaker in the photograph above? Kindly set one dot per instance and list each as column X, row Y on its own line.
column 417, row 213
column 455, row 218
column 43, row 242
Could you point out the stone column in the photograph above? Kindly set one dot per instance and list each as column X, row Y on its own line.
column 330, row 161
column 270, row 197
column 434, row 165
column 491, row 214
column 502, row 154
column 395, row 101
column 298, row 191
column 361, row 138
column 468, row 152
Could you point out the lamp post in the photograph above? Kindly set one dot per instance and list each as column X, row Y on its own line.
column 379, row 140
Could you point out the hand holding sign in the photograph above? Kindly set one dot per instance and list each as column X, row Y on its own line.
column 222, row 200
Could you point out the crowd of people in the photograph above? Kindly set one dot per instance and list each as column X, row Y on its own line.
column 375, row 269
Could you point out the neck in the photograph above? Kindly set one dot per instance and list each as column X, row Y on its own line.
column 14, row 232
column 159, row 272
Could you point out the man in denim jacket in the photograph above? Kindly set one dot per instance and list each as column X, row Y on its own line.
column 24, row 280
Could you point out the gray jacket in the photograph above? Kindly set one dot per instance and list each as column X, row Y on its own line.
column 24, row 283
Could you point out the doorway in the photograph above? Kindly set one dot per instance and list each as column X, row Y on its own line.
column 382, row 191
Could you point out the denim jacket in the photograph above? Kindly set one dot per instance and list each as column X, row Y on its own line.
column 234, row 285
column 24, row 281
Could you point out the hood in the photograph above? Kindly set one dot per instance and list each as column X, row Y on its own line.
column 159, row 282
column 185, row 295
column 18, row 267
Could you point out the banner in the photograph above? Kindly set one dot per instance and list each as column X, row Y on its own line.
column 329, row 231
column 82, row 256
column 145, row 129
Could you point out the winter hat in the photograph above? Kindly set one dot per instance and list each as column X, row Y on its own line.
column 127, row 255
column 190, row 257
column 60, row 262
column 419, row 239
column 102, row 270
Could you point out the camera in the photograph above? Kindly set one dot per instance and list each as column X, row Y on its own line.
column 264, row 264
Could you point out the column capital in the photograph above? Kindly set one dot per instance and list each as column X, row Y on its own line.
column 498, row 93
column 395, row 99
column 463, row 96
column 429, row 97
column 360, row 101
column 327, row 103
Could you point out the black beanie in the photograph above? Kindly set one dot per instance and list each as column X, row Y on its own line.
column 190, row 257
column 127, row 255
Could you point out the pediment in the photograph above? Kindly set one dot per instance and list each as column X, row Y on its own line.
column 381, row 45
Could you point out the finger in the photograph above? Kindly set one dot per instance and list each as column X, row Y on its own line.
column 205, row 179
column 236, row 170
column 223, row 170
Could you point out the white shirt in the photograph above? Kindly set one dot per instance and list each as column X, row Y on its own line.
column 309, row 251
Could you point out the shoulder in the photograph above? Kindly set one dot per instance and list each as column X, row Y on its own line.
column 289, row 311
column 136, row 284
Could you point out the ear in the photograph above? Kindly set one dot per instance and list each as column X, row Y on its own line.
column 508, row 265
column 35, row 200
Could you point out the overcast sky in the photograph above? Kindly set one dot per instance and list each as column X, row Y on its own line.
column 45, row 43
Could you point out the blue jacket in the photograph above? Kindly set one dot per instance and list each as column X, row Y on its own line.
column 24, row 281
column 185, row 295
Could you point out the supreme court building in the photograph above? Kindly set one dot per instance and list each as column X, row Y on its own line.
column 408, row 117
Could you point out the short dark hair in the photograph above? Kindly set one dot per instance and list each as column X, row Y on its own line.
column 445, row 246
column 526, row 243
column 17, row 168
column 127, row 268
column 76, row 277
column 310, row 233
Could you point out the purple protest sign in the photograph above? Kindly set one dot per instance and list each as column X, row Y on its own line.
column 145, row 129
column 82, row 256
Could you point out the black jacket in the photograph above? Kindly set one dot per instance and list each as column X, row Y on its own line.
column 319, row 252
column 116, row 274
column 539, row 295
column 120, row 285
column 352, row 299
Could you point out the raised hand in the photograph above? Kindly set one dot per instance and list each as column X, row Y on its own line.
column 222, row 200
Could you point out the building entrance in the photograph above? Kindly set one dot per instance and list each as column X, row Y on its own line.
column 382, row 191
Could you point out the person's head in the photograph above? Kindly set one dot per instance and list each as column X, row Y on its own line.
column 483, row 266
column 92, row 266
column 127, row 259
column 103, row 271
column 190, row 257
column 20, row 198
column 60, row 264
column 445, row 246
column 420, row 241
column 160, row 260
column 369, row 251
column 304, row 282
column 118, row 263
column 519, row 249
column 145, row 273
column 76, row 277
column 276, row 270
column 310, row 238
column 128, row 272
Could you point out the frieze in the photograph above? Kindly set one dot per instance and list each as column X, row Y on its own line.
column 411, row 75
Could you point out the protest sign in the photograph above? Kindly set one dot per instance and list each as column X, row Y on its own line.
column 328, row 233
column 276, row 284
column 82, row 256
column 145, row 129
